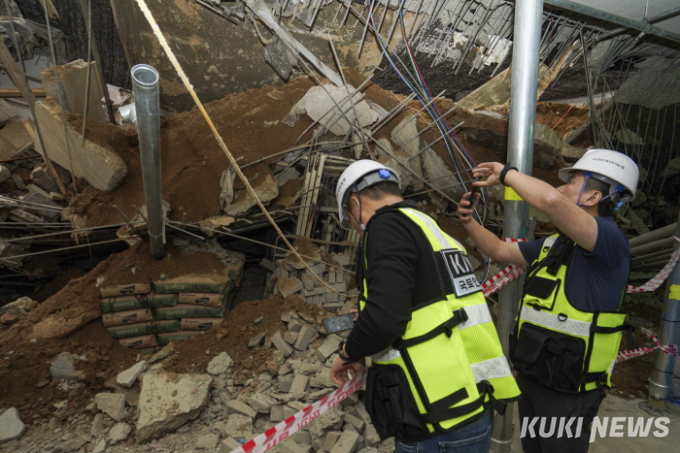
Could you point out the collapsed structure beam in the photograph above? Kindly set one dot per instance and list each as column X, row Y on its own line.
column 148, row 121
column 642, row 26
column 522, row 116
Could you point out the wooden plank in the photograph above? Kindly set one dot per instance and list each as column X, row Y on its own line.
column 17, row 93
column 14, row 140
column 51, row 10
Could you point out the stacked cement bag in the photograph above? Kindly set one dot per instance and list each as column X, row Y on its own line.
column 145, row 316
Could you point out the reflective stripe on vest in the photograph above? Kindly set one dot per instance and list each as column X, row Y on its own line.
column 556, row 322
column 490, row 369
column 477, row 314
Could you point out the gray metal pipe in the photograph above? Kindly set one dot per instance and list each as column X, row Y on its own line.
column 661, row 244
column 661, row 380
column 148, row 121
column 524, row 86
column 614, row 19
column 652, row 236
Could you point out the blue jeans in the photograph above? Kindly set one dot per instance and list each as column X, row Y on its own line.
column 472, row 438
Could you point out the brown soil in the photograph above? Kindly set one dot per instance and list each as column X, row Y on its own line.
column 191, row 160
column 562, row 118
column 81, row 332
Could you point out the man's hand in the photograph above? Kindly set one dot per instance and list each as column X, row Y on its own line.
column 340, row 373
column 465, row 207
column 490, row 171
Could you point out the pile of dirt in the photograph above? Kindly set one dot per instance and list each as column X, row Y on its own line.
column 70, row 322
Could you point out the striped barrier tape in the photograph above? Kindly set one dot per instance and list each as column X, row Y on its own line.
column 294, row 423
column 513, row 271
column 671, row 349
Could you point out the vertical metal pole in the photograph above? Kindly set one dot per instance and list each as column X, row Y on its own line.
column 147, row 104
column 525, row 56
column 661, row 380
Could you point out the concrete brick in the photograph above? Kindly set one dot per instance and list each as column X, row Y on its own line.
column 340, row 277
column 289, row 411
column 290, row 446
column 288, row 286
column 331, row 439
column 339, row 287
column 317, row 445
column 304, row 338
column 371, row 436
column 318, row 269
column 307, row 281
column 350, row 304
column 228, row 445
column 299, row 384
column 350, row 400
column 237, row 407
column 302, row 437
column 361, row 412
column 286, row 317
column 276, row 414
column 346, row 443
column 290, row 337
column 330, row 346
column 281, row 345
column 331, row 420
column 285, row 382
column 294, row 326
column 331, row 277
column 358, row 423
column 332, row 307
column 343, row 259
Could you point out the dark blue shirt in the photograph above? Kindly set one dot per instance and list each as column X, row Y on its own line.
column 595, row 280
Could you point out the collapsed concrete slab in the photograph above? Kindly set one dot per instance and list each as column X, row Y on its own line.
column 167, row 401
column 100, row 166
column 265, row 186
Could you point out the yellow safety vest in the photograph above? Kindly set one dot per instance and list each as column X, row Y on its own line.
column 450, row 353
column 555, row 344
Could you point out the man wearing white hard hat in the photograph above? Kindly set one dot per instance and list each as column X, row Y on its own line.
column 569, row 327
column 438, row 369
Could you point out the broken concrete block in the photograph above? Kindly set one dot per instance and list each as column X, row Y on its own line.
column 100, row 447
column 119, row 432
column 290, row 337
column 333, row 307
column 276, row 413
column 371, row 435
column 239, row 426
column 288, row 286
column 329, row 420
column 290, row 446
column 307, row 281
column 571, row 153
column 265, row 186
column 355, row 421
column 361, row 412
column 346, row 443
column 220, row 364
column 64, row 367
column 285, row 383
column 328, row 347
column 299, row 384
column 331, row 439
column 302, row 437
column 99, row 165
column 11, row 426
column 304, row 338
column 320, row 100
column 294, row 326
column 207, row 442
column 261, row 403
column 166, row 402
column 257, row 341
column 547, row 145
column 318, row 269
column 128, row 377
column 228, row 445
column 281, row 345
column 19, row 307
column 112, row 404
column 237, row 407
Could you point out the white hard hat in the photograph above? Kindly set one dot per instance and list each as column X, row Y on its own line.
column 358, row 176
column 609, row 166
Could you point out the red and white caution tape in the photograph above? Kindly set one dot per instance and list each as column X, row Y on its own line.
column 513, row 271
column 505, row 276
column 294, row 423
column 659, row 278
column 671, row 349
